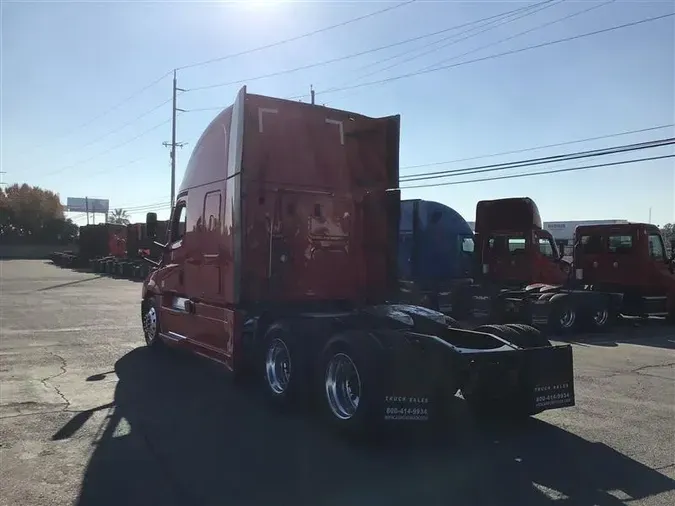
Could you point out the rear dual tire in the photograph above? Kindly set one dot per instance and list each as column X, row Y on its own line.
column 342, row 383
column 349, row 386
column 569, row 314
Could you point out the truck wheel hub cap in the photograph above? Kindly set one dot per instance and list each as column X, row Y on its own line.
column 568, row 318
column 150, row 324
column 600, row 317
column 278, row 366
column 343, row 386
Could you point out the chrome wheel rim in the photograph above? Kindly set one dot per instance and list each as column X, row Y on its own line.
column 568, row 318
column 150, row 324
column 278, row 366
column 343, row 386
column 600, row 317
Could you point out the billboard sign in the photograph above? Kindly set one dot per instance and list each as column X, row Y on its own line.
column 87, row 205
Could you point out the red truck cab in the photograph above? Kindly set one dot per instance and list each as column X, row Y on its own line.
column 512, row 247
column 266, row 216
column 628, row 258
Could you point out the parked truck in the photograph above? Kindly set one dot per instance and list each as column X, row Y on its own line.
column 631, row 259
column 103, row 240
column 435, row 255
column 129, row 262
column 617, row 269
column 279, row 263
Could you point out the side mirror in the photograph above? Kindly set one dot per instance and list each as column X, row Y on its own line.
column 151, row 225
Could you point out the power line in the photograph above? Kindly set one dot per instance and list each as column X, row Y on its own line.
column 165, row 205
column 467, row 62
column 109, row 110
column 528, row 11
column 502, row 15
column 249, row 51
column 120, row 166
column 108, row 150
column 557, row 144
column 498, row 55
column 543, row 160
column 542, row 173
column 146, row 207
column 298, row 37
column 131, row 210
column 356, row 55
column 519, row 34
column 162, row 77
column 122, row 127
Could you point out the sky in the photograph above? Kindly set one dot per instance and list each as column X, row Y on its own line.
column 72, row 119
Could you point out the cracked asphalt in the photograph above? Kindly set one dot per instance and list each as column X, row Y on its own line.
column 90, row 417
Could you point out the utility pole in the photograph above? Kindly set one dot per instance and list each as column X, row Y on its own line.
column 173, row 143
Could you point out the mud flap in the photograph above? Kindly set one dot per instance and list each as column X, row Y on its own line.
column 547, row 378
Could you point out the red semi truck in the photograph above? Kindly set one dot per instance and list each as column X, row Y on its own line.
column 631, row 259
column 513, row 248
column 279, row 262
column 521, row 276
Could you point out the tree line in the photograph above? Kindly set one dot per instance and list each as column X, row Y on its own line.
column 32, row 215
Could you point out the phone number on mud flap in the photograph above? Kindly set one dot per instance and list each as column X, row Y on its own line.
column 420, row 414
column 551, row 400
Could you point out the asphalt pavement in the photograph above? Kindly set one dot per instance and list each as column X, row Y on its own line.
column 90, row 417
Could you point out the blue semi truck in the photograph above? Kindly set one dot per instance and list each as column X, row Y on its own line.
column 435, row 255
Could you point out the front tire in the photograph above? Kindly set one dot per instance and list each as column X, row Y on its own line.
column 151, row 324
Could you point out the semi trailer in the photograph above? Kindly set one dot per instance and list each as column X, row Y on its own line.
column 280, row 262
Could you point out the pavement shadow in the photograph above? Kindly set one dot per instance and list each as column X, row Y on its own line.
column 179, row 434
column 69, row 283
